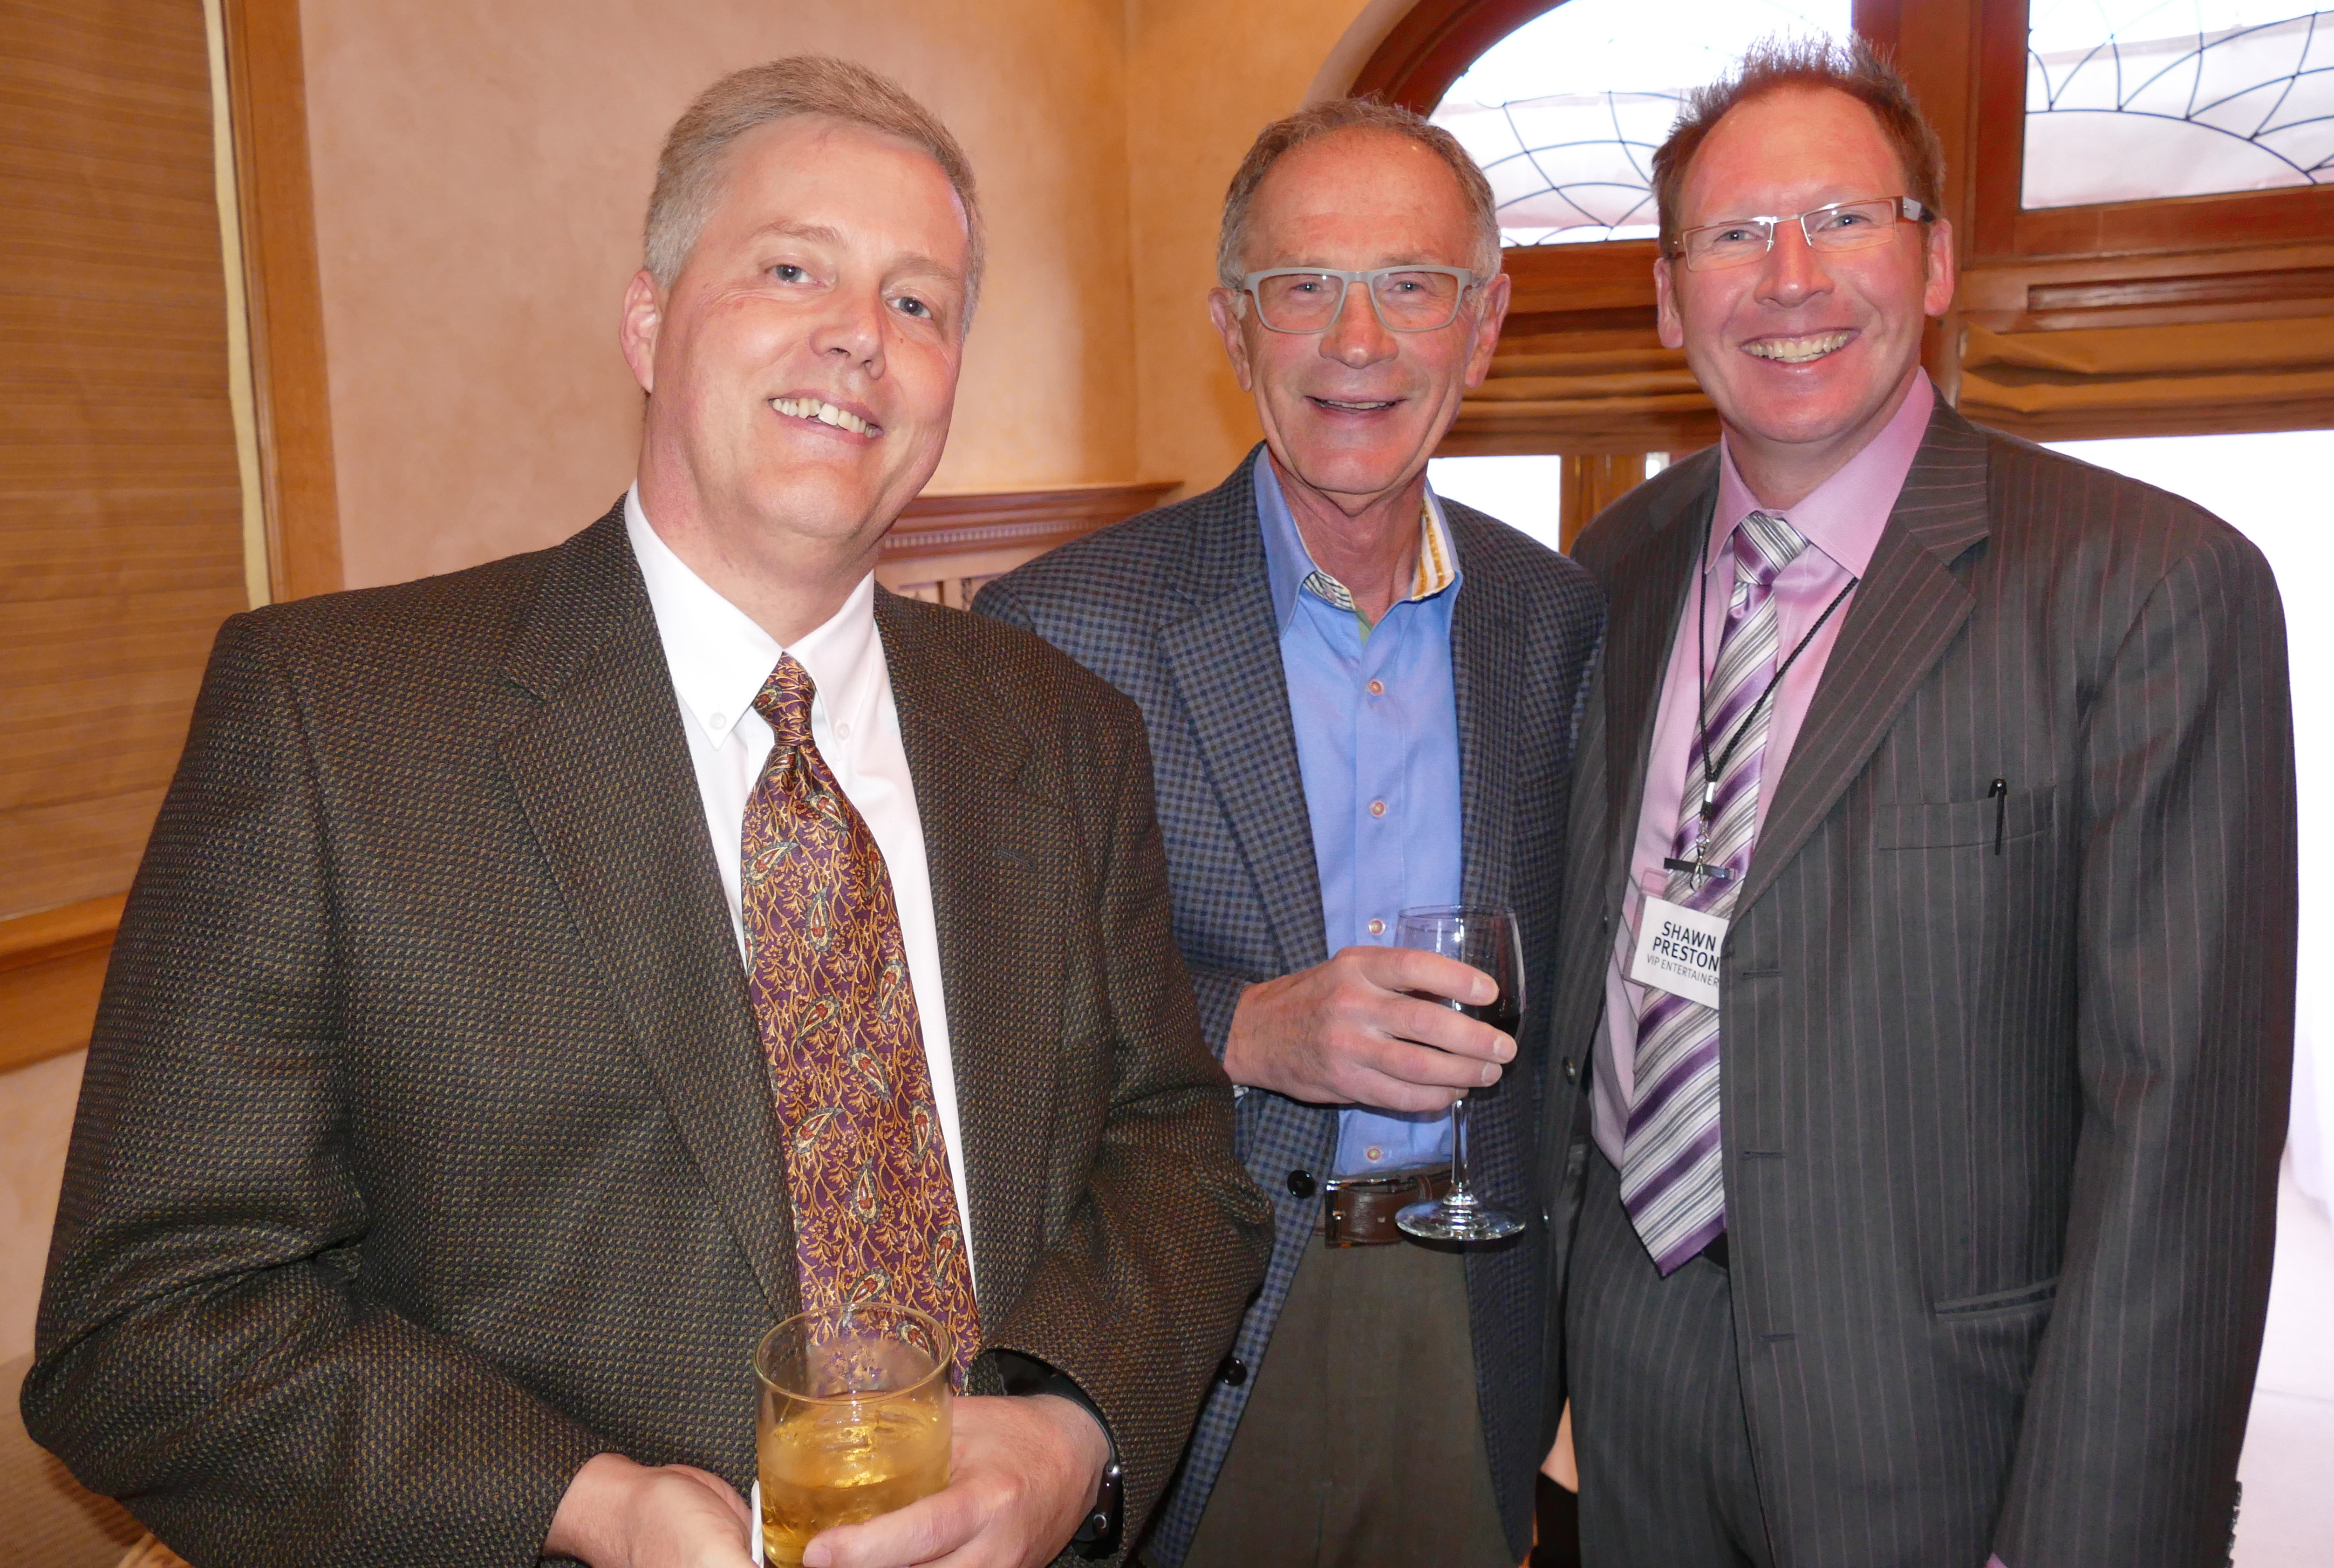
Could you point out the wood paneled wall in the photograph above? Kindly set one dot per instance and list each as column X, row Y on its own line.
column 944, row 547
column 121, row 519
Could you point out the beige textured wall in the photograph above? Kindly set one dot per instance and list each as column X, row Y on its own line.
column 480, row 173
column 36, row 1108
column 1203, row 76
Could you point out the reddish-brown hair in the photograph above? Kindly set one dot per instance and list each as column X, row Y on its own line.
column 1775, row 65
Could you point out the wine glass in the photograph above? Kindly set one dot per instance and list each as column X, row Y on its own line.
column 1486, row 939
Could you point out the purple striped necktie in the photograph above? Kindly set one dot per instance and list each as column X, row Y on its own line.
column 1672, row 1163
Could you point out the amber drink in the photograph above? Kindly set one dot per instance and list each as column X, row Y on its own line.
column 854, row 1420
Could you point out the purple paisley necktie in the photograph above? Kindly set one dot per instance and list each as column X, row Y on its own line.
column 874, row 1210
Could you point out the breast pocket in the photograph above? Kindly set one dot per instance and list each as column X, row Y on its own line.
column 1949, row 824
column 1968, row 943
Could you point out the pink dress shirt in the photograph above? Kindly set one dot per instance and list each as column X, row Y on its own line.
column 1841, row 520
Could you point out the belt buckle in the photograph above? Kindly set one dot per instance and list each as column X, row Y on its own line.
column 1401, row 1184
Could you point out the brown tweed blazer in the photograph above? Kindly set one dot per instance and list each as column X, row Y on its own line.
column 426, row 1147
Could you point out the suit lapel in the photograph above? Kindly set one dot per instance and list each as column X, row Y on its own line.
column 1906, row 613
column 1650, row 589
column 1224, row 658
column 1001, row 863
column 602, row 770
column 1487, row 658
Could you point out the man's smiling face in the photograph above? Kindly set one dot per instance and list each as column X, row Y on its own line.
column 1357, row 409
column 803, row 367
column 1803, row 351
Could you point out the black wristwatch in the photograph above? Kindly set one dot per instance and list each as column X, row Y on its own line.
column 1105, row 1521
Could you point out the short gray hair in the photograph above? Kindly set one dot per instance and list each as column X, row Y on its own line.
column 1326, row 118
column 691, row 169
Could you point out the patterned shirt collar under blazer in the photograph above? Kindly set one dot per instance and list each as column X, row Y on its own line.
column 1433, row 575
column 874, row 1210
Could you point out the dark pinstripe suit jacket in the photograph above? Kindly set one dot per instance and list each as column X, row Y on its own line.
column 1173, row 609
column 2001, row 1123
column 427, row 1148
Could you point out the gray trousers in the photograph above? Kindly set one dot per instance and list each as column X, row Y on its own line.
column 1362, row 1446
column 1667, row 1478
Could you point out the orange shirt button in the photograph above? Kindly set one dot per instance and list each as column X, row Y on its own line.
column 1377, row 808
column 1378, row 689
column 1377, row 927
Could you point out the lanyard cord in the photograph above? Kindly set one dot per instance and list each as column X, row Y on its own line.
column 1709, row 771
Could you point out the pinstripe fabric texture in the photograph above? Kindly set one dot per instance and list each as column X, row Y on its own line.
column 2006, row 1071
column 427, row 1148
column 1674, row 1333
column 1173, row 609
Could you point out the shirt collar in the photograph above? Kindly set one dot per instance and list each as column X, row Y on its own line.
column 1843, row 516
column 1288, row 566
column 720, row 657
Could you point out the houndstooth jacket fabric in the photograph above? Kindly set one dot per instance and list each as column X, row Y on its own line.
column 1173, row 609
column 427, row 1150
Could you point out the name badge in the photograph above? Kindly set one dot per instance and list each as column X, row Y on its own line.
column 1677, row 950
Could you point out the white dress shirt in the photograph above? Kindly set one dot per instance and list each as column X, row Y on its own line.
column 718, row 659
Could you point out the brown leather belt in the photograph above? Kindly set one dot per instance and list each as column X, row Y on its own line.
column 1358, row 1211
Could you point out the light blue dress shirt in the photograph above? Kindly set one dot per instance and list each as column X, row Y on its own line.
column 1377, row 742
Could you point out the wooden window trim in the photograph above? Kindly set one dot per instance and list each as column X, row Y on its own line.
column 1577, row 371
column 267, row 106
column 2004, row 231
column 1432, row 47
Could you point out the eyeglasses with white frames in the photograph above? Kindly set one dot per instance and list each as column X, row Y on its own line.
column 1411, row 298
column 1843, row 225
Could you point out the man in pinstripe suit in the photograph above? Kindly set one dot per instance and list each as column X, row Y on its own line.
column 1359, row 698
column 1926, row 994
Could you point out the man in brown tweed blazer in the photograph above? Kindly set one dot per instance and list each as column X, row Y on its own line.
column 430, row 1194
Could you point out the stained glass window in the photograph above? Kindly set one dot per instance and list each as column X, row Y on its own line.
column 1565, row 112
column 2131, row 99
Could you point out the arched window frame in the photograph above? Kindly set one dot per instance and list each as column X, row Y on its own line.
column 2070, row 323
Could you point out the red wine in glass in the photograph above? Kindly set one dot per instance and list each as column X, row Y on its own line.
column 1488, row 939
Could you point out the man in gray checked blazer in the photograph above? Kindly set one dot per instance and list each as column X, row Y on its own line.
column 1937, row 1232
column 1359, row 698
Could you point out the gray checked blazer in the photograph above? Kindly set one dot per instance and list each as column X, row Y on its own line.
column 1173, row 609
column 2005, row 1070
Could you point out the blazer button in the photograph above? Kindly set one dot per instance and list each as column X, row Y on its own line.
column 1302, row 1185
column 1571, row 1070
column 1233, row 1372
